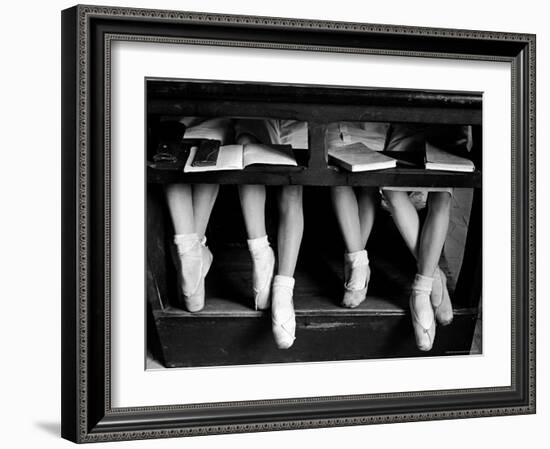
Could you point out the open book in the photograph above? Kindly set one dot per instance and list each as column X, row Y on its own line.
column 237, row 157
column 437, row 159
column 358, row 157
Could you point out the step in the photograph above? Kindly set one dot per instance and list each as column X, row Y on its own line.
column 228, row 331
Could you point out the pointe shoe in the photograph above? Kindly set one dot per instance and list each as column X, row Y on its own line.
column 441, row 301
column 357, row 276
column 422, row 314
column 283, row 318
column 263, row 262
column 195, row 261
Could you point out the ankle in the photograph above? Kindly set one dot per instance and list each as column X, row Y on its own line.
column 258, row 244
column 422, row 284
column 356, row 271
column 282, row 304
column 284, row 281
column 357, row 258
column 186, row 242
column 283, row 288
column 439, row 274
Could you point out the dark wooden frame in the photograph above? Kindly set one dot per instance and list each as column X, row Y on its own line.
column 87, row 33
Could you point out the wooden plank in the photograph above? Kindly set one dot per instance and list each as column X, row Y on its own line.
column 274, row 175
column 325, row 113
column 218, row 307
column 248, row 340
column 317, row 94
column 161, row 280
column 318, row 141
column 469, row 284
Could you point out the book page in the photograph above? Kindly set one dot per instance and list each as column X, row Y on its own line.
column 230, row 157
column 255, row 153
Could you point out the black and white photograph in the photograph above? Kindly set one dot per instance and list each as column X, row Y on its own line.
column 305, row 223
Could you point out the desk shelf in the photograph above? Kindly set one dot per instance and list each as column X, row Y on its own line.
column 330, row 176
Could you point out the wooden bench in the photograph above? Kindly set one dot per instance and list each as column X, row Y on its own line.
column 228, row 330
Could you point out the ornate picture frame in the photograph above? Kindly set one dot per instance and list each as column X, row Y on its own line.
column 87, row 35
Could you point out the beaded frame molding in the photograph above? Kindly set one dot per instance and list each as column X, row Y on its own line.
column 87, row 34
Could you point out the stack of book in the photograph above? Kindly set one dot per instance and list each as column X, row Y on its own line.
column 357, row 157
column 437, row 159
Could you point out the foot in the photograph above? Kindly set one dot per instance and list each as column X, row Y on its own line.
column 422, row 314
column 441, row 301
column 195, row 260
column 282, row 312
column 263, row 263
column 357, row 276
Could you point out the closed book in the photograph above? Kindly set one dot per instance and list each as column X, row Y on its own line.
column 358, row 157
column 437, row 159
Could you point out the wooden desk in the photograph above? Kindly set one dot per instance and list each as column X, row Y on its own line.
column 382, row 321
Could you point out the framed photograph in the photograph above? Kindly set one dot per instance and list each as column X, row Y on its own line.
column 283, row 223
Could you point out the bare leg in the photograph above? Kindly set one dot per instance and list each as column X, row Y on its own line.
column 180, row 205
column 347, row 214
column 434, row 232
column 190, row 208
column 427, row 251
column 355, row 215
column 405, row 217
column 204, row 197
column 432, row 239
column 253, row 207
column 252, row 201
column 291, row 229
column 263, row 259
column 366, row 200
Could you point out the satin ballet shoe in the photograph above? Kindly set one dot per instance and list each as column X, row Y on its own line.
column 423, row 319
column 195, row 261
column 357, row 276
column 440, row 299
column 283, row 318
column 353, row 298
column 263, row 262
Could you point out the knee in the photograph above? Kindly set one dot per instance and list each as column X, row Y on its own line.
column 243, row 139
column 394, row 197
column 209, row 190
column 338, row 192
column 439, row 201
column 177, row 191
column 247, row 190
